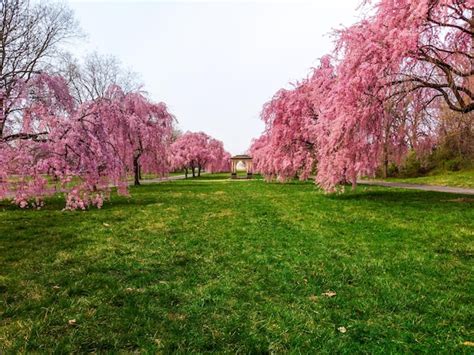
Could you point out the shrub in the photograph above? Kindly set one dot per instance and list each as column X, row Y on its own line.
column 454, row 164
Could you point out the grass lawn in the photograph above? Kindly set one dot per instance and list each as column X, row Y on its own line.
column 464, row 178
column 240, row 266
column 147, row 176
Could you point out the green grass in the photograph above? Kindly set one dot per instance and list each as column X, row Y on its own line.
column 147, row 176
column 176, row 173
column 240, row 266
column 464, row 178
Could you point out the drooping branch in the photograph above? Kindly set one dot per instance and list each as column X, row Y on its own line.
column 36, row 137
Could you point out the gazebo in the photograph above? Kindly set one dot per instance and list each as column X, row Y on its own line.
column 246, row 160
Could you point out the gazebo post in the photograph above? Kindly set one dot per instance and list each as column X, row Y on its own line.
column 249, row 166
column 247, row 160
column 233, row 174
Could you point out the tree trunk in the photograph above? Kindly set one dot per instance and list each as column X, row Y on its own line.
column 385, row 146
column 199, row 170
column 136, row 171
column 354, row 185
column 472, row 40
column 385, row 161
column 2, row 118
column 186, row 173
column 194, row 172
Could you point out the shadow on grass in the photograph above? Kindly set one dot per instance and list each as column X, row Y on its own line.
column 141, row 196
column 400, row 195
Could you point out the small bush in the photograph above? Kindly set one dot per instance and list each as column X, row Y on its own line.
column 454, row 164
column 412, row 166
column 392, row 170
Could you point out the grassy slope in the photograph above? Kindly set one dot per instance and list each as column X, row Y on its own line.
column 240, row 266
column 464, row 178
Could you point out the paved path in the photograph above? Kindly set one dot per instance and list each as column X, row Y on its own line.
column 166, row 178
column 162, row 179
column 452, row 190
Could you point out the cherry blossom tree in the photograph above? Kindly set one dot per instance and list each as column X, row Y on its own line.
column 26, row 142
column 219, row 159
column 196, row 151
column 29, row 37
column 148, row 129
column 289, row 150
column 376, row 97
column 51, row 137
column 259, row 150
column 410, row 126
column 288, row 146
column 406, row 46
column 82, row 150
column 52, row 140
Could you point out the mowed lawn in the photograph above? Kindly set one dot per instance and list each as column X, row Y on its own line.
column 240, row 266
column 463, row 178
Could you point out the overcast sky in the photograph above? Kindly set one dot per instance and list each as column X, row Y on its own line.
column 214, row 63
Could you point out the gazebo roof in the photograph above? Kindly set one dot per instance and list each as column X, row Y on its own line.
column 241, row 157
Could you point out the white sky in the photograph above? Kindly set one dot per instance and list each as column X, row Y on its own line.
column 214, row 63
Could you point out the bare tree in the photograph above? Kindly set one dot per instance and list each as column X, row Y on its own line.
column 92, row 78
column 29, row 38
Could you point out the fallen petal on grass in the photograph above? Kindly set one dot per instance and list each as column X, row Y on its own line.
column 313, row 298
